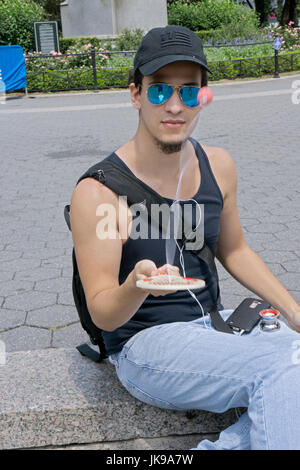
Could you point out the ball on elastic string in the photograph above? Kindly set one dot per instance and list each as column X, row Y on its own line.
column 205, row 96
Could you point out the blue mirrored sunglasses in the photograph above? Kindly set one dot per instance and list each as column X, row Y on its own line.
column 159, row 93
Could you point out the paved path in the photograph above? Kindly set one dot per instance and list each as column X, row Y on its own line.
column 48, row 142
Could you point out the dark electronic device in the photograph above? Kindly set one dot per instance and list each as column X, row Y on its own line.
column 246, row 315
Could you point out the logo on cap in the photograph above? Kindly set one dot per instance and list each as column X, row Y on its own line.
column 175, row 38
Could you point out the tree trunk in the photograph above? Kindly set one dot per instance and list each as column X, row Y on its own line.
column 288, row 12
column 262, row 7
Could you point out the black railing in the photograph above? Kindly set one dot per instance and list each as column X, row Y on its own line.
column 94, row 75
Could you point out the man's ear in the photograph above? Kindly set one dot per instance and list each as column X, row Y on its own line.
column 135, row 96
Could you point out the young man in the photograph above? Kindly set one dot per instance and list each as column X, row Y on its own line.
column 166, row 353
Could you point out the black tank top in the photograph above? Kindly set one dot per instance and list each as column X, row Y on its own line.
column 179, row 306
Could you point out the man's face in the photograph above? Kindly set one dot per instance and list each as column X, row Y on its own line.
column 172, row 122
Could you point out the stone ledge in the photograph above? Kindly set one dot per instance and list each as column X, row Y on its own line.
column 56, row 397
column 186, row 442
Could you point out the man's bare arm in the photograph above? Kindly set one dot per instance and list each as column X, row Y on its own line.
column 98, row 257
column 239, row 259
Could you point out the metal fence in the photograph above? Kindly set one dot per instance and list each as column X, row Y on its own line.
column 93, row 76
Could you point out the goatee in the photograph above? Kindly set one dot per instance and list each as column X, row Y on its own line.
column 168, row 147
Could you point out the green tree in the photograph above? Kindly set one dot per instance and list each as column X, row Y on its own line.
column 52, row 8
column 263, row 8
column 16, row 22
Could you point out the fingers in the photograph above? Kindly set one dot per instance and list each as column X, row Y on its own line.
column 158, row 293
column 144, row 268
column 147, row 268
column 167, row 269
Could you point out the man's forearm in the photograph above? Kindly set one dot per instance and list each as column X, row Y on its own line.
column 249, row 269
column 112, row 308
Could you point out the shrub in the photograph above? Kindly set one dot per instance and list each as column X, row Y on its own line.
column 66, row 44
column 16, row 22
column 129, row 40
column 208, row 14
column 82, row 78
column 289, row 35
column 208, row 35
column 242, row 27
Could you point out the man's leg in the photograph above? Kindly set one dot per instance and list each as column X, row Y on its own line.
column 235, row 437
column 187, row 366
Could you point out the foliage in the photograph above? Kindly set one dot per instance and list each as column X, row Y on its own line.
column 78, row 59
column 16, row 22
column 59, row 72
column 52, row 9
column 208, row 14
column 243, row 26
column 210, row 34
column 238, row 52
column 127, row 40
column 80, row 79
column 289, row 35
column 40, row 2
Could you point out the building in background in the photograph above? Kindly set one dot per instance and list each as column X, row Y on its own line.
column 107, row 18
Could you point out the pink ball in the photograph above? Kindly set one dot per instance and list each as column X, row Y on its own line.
column 205, row 96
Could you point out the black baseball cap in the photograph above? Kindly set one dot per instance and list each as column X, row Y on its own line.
column 163, row 46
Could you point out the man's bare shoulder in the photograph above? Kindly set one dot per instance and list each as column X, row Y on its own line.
column 223, row 167
column 218, row 156
column 90, row 189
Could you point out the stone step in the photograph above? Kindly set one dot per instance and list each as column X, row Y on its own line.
column 151, row 443
column 56, row 397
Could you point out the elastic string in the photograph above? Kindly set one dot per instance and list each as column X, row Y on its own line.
column 181, row 259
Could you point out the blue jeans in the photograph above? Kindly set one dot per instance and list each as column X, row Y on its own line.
column 190, row 365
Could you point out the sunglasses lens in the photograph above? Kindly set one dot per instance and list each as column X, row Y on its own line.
column 159, row 93
column 189, row 95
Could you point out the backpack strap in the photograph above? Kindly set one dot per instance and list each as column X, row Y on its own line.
column 87, row 351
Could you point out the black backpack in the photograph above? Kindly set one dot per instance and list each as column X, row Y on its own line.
column 124, row 183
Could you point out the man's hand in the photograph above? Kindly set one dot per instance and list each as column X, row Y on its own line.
column 147, row 268
column 294, row 321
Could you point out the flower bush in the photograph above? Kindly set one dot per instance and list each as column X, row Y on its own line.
column 77, row 59
column 289, row 35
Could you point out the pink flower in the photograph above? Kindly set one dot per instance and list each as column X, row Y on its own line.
column 243, row 16
column 291, row 22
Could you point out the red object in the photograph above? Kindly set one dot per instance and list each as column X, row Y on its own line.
column 205, row 96
column 270, row 310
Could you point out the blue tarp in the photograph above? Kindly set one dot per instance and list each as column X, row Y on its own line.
column 12, row 65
